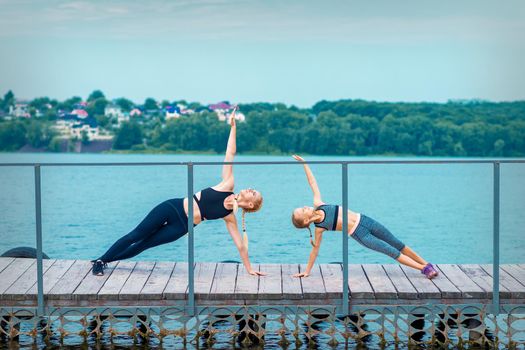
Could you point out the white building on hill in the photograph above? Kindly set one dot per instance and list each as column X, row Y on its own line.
column 20, row 110
column 113, row 111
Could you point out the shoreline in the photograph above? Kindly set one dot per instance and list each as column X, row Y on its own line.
column 210, row 153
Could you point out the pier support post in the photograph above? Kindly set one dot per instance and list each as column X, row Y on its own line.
column 344, row 303
column 495, row 262
column 39, row 266
column 191, row 250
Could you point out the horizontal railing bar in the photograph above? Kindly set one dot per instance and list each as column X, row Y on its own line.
column 514, row 161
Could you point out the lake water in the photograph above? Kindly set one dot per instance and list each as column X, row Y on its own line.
column 444, row 212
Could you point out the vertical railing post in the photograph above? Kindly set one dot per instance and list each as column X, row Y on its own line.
column 38, row 217
column 495, row 245
column 344, row 304
column 191, row 250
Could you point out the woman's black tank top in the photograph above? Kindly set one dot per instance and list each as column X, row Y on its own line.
column 211, row 204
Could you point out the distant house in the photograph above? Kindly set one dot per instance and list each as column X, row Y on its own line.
column 184, row 110
column 80, row 105
column 225, row 116
column 113, row 111
column 222, row 106
column 135, row 112
column 223, row 110
column 70, row 126
column 20, row 110
column 172, row 112
column 240, row 116
column 67, row 116
column 80, row 113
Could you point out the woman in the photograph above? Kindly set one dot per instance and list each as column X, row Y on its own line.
column 367, row 231
column 168, row 221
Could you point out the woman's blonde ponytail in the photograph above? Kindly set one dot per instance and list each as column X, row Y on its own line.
column 257, row 204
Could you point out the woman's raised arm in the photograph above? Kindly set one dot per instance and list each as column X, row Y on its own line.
column 311, row 180
column 231, row 149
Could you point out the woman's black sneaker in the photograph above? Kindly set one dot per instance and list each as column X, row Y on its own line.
column 98, row 268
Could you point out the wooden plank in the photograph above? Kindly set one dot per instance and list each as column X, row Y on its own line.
column 521, row 266
column 358, row 283
column 111, row 289
column 90, row 286
column 131, row 289
column 313, row 285
column 157, row 278
column 223, row 286
column 446, row 287
column 424, row 287
column 13, row 272
column 466, row 286
column 177, row 285
column 516, row 272
column 270, row 286
column 18, row 290
column 204, row 273
column 383, row 287
column 483, row 279
column 516, row 289
column 333, row 280
column 67, row 284
column 405, row 289
column 292, row 288
column 247, row 285
column 52, row 276
column 4, row 262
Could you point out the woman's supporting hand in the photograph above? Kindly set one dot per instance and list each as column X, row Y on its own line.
column 302, row 274
column 256, row 273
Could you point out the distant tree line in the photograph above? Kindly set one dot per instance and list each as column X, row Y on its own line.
column 348, row 127
column 345, row 127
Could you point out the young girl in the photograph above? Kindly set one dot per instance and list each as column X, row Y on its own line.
column 365, row 230
column 168, row 221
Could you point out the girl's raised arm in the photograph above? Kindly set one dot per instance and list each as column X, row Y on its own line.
column 311, row 180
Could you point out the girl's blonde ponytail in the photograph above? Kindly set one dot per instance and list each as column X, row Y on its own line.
column 311, row 237
column 244, row 236
column 299, row 224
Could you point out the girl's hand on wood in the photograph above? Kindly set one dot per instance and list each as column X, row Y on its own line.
column 298, row 158
column 302, row 274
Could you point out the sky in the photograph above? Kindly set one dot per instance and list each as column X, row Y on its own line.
column 294, row 51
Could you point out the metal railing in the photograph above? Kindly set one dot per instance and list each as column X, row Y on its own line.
column 344, row 307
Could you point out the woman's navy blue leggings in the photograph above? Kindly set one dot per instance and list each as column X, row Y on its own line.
column 165, row 223
column 375, row 236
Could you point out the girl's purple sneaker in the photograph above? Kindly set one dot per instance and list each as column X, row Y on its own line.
column 429, row 271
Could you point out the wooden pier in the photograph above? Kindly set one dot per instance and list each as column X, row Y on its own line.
column 127, row 283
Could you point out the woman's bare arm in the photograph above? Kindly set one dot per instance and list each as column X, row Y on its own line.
column 231, row 225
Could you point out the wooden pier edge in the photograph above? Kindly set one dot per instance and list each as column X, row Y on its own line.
column 69, row 283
